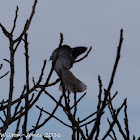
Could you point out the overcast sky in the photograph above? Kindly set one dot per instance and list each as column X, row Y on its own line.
column 87, row 23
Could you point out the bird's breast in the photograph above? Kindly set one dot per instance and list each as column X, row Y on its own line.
column 58, row 67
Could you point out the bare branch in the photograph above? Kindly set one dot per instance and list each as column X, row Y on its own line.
column 37, row 123
column 115, row 138
column 16, row 15
column 27, row 25
column 86, row 130
column 18, row 99
column 27, row 83
column 46, row 120
column 17, row 106
column 18, row 123
column 33, row 79
column 75, row 107
column 6, row 33
column 97, row 122
column 4, row 75
column 88, row 122
column 7, row 61
column 1, row 65
column 3, row 102
column 88, row 117
column 115, row 120
column 54, row 83
column 54, row 117
column 116, row 61
column 18, row 43
column 2, row 120
column 78, row 100
column 31, row 16
column 126, row 120
column 42, row 72
column 32, row 97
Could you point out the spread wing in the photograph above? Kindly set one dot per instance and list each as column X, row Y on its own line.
column 78, row 51
column 68, row 55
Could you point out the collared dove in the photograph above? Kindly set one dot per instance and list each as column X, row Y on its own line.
column 64, row 62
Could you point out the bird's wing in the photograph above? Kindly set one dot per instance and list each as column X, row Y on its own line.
column 53, row 56
column 78, row 51
column 66, row 61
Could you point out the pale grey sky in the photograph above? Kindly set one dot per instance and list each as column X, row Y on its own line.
column 89, row 23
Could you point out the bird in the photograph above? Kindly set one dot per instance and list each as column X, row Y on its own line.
column 63, row 59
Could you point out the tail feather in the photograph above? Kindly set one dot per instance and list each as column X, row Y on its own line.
column 71, row 83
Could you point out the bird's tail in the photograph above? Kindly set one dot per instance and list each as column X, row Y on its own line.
column 71, row 83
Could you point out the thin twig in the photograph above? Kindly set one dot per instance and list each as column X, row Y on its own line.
column 75, row 107
column 113, row 114
column 116, row 61
column 27, row 25
column 88, row 122
column 38, row 120
column 54, row 117
column 32, row 97
column 126, row 121
column 97, row 123
column 42, row 72
column 7, row 61
column 16, row 15
column 33, row 79
column 18, row 123
column 18, row 99
column 88, row 117
column 16, row 108
column 46, row 120
column 4, row 102
column 78, row 100
column 6, row 33
column 115, row 120
column 113, row 132
column 24, row 128
column 75, row 123
column 99, row 106
column 86, row 128
column 52, row 84
column 4, row 75
column 1, row 65
column 2, row 120
column 110, row 136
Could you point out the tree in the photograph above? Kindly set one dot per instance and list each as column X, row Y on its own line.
column 28, row 99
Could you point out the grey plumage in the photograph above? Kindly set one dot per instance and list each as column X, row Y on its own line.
column 65, row 60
